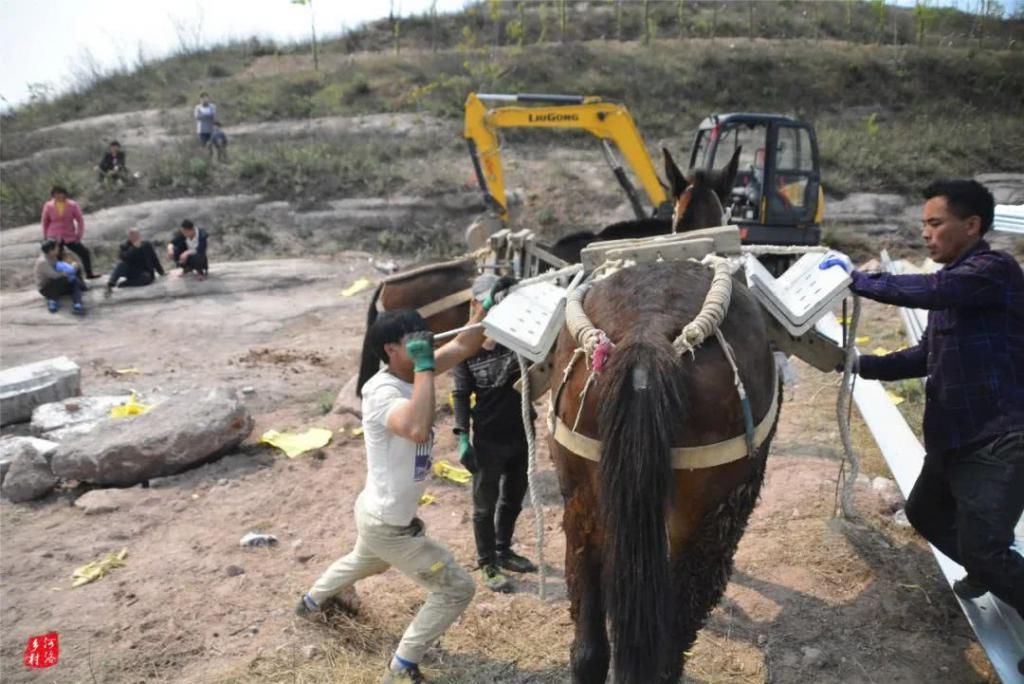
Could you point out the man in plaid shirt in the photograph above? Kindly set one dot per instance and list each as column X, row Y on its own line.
column 970, row 493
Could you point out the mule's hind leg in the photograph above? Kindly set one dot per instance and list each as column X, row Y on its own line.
column 590, row 651
column 701, row 570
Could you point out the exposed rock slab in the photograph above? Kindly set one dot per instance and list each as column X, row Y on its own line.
column 50, row 420
column 109, row 500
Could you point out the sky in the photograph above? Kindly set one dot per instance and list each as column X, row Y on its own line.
column 44, row 41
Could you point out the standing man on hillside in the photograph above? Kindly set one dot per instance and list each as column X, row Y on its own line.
column 62, row 221
column 498, row 455
column 398, row 424
column 205, row 114
column 970, row 493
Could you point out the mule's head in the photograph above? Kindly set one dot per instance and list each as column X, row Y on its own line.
column 697, row 202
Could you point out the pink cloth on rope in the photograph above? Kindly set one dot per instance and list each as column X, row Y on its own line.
column 602, row 352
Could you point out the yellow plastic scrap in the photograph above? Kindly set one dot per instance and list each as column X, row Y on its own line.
column 296, row 444
column 357, row 432
column 862, row 339
column 457, row 474
column 894, row 398
column 879, row 351
column 98, row 568
column 427, row 499
column 130, row 408
column 127, row 371
column 357, row 287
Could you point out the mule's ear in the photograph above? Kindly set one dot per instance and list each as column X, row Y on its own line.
column 676, row 181
column 727, row 176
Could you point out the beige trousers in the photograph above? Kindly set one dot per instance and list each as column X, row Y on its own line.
column 380, row 546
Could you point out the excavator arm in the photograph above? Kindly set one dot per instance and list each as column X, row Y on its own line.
column 608, row 121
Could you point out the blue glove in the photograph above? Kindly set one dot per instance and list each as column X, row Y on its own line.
column 837, row 259
column 420, row 347
column 65, row 268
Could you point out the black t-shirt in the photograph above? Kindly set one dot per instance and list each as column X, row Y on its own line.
column 497, row 415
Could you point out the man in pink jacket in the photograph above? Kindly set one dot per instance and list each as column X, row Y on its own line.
column 62, row 221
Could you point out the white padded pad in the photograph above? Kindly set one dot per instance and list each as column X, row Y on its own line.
column 528, row 319
column 801, row 295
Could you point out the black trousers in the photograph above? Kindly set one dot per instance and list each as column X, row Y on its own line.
column 84, row 256
column 195, row 262
column 137, row 279
column 60, row 287
column 499, row 485
column 967, row 503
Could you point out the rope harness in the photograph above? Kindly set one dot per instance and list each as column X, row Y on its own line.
column 595, row 347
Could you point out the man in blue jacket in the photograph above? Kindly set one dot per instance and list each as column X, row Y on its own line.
column 970, row 493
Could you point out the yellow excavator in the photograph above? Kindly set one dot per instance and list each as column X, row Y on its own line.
column 778, row 198
column 610, row 122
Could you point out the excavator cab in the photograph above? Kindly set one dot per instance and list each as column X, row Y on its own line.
column 777, row 197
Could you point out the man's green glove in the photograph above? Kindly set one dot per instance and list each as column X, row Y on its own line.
column 467, row 455
column 498, row 292
column 420, row 347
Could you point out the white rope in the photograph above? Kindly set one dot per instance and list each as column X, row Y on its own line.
column 579, row 324
column 531, row 471
column 714, row 309
column 843, row 415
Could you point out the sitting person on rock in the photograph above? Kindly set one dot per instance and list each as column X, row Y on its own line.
column 187, row 250
column 112, row 167
column 137, row 266
column 56, row 278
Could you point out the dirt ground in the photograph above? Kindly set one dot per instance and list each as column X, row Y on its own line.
column 811, row 599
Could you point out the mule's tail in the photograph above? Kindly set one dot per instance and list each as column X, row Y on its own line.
column 370, row 362
column 641, row 405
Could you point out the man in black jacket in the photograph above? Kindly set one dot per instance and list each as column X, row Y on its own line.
column 187, row 250
column 498, row 454
column 112, row 166
column 138, row 264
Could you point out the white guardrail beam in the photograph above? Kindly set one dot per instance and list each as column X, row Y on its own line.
column 1009, row 218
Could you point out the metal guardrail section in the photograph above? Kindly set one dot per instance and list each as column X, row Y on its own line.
column 999, row 629
column 1009, row 218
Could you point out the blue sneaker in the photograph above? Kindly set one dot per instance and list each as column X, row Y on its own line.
column 78, row 309
column 52, row 305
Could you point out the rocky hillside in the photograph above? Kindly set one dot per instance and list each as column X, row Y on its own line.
column 365, row 150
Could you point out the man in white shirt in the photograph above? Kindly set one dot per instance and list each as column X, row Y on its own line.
column 398, row 427
column 205, row 114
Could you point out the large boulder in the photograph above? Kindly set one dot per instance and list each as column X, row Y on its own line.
column 23, row 388
column 184, row 430
column 28, row 475
column 60, row 419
